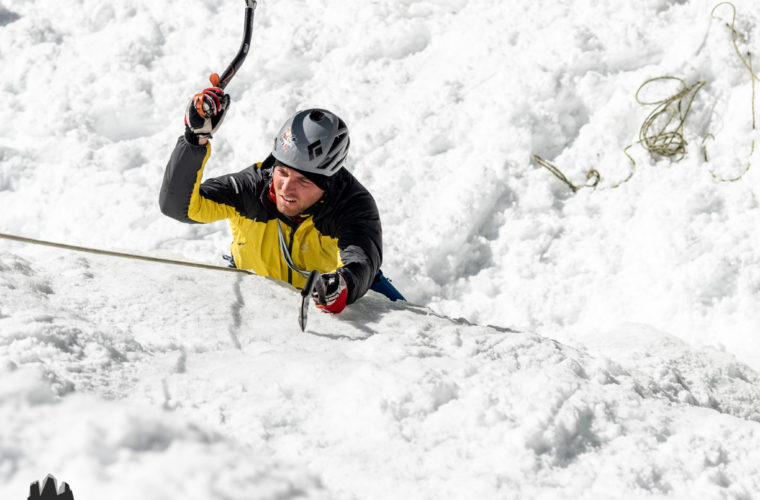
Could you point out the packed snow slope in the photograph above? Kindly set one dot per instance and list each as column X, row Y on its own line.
column 624, row 353
column 132, row 381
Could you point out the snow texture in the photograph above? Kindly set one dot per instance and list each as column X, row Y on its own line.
column 598, row 344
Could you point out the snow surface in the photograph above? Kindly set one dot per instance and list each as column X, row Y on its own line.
column 602, row 344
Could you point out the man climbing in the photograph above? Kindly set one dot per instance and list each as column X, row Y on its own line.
column 296, row 211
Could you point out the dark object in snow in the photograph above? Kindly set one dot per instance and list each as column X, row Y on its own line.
column 49, row 490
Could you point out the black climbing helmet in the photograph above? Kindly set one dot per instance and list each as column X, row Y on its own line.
column 313, row 141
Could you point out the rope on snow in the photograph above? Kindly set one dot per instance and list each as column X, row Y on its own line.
column 661, row 133
column 123, row 254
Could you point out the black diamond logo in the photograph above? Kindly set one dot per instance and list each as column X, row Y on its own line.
column 315, row 149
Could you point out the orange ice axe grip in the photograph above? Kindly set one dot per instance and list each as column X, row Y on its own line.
column 198, row 100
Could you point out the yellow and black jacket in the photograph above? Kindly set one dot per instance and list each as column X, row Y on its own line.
column 340, row 232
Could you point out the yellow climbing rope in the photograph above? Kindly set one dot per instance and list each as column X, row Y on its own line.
column 592, row 175
column 662, row 132
column 753, row 78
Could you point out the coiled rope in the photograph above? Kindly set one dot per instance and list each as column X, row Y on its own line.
column 668, row 140
column 662, row 132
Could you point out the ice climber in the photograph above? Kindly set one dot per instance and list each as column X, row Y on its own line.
column 296, row 211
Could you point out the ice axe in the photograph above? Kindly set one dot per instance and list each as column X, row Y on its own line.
column 314, row 281
column 222, row 81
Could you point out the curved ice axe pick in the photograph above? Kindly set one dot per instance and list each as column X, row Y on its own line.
column 313, row 281
column 222, row 81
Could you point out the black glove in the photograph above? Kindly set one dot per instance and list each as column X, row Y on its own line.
column 335, row 293
column 205, row 112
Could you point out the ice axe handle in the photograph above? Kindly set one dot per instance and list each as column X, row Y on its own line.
column 222, row 81
column 311, row 281
column 314, row 279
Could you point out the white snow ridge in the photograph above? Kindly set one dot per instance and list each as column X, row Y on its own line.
column 597, row 344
